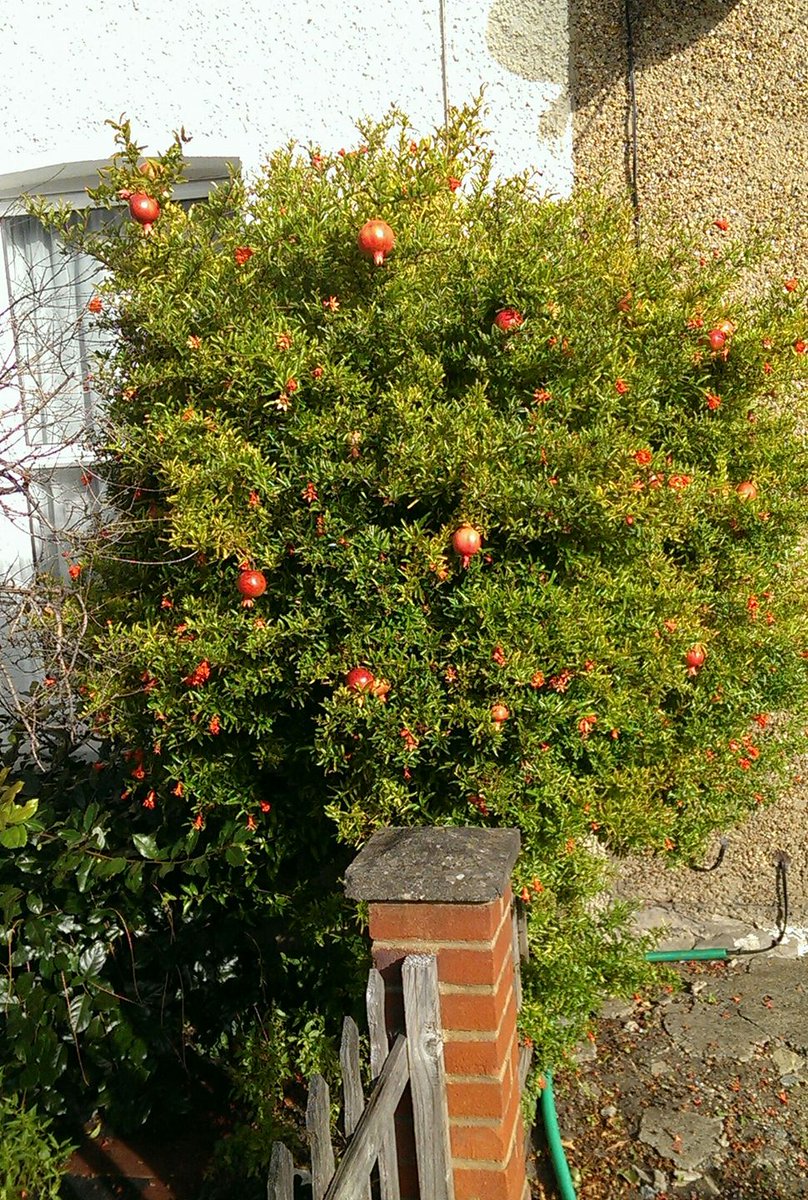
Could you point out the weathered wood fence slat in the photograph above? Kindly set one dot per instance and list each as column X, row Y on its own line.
column 357, row 1162
column 419, row 976
column 388, row 1160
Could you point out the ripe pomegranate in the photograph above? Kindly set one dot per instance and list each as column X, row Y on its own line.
column 466, row 542
column 747, row 490
column 508, row 320
column 717, row 339
column 359, row 679
column 375, row 240
column 143, row 209
column 500, row 713
column 694, row 658
column 252, row 584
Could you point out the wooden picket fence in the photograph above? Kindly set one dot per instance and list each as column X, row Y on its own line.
column 415, row 1058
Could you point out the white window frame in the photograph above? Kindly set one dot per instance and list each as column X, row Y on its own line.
column 20, row 542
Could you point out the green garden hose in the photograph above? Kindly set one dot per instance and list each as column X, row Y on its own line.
column 557, row 1155
column 711, row 953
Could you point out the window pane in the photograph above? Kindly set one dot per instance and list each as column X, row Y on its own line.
column 55, row 338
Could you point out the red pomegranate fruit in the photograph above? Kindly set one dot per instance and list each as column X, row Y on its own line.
column 695, row 658
column 144, row 209
column 508, row 320
column 466, row 542
column 359, row 679
column 252, row 584
column 375, row 240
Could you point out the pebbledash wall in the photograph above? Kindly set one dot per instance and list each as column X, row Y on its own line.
column 722, row 112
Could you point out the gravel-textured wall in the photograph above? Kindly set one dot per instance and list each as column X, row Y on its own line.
column 722, row 93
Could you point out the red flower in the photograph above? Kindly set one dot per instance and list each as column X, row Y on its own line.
column 265, row 806
column 251, row 825
column 254, row 500
column 800, row 346
column 678, row 482
column 722, row 223
column 317, row 372
column 283, row 341
column 150, row 798
column 454, row 184
column 243, row 254
column 643, row 457
column 199, row 675
column 139, row 772
column 199, row 821
column 309, row 493
column 214, row 725
column 791, row 284
column 713, row 401
column 621, row 386
column 317, row 161
column 178, row 789
column 95, row 305
column 586, row 725
column 541, row 396
column 537, row 680
column 331, row 304
column 761, row 719
column 74, row 570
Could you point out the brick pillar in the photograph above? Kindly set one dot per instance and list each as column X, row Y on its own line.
column 446, row 891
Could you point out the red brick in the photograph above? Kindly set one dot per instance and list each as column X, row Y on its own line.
column 479, row 1184
column 473, row 1010
column 481, row 965
column 470, row 1184
column 489, row 1140
column 438, row 922
column 484, row 1054
column 479, row 1098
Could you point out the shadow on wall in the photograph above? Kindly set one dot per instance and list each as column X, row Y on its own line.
column 578, row 47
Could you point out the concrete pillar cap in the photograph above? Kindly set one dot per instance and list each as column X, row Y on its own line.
column 434, row 865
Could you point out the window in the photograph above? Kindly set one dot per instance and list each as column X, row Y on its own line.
column 47, row 351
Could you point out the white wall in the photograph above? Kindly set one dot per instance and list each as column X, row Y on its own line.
column 247, row 75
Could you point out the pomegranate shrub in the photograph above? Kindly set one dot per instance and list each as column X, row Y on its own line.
column 430, row 500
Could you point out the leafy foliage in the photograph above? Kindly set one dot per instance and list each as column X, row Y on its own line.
column 276, row 400
column 31, row 1158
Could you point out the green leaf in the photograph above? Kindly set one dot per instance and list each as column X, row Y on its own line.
column 14, row 837
column 13, row 814
column 92, row 959
column 145, row 844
